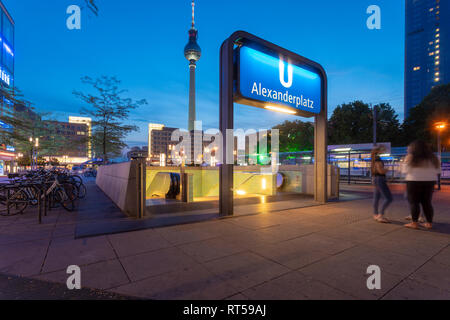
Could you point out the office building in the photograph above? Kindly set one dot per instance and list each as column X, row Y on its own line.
column 6, row 56
column 159, row 141
column 88, row 123
column 75, row 147
column 427, row 48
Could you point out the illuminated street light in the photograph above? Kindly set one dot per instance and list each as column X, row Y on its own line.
column 440, row 126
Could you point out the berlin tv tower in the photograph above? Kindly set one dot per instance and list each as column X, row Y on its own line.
column 192, row 52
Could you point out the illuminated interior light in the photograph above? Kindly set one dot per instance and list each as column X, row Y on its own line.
column 279, row 109
column 342, row 150
column 436, row 80
column 8, row 49
column 264, row 184
column 241, row 192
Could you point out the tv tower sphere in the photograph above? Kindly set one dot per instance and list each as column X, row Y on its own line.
column 192, row 51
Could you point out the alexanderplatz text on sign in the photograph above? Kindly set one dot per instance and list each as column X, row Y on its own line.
column 258, row 73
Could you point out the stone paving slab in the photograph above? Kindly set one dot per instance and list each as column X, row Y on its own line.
column 155, row 263
column 133, row 243
column 94, row 276
column 16, row 288
column 66, row 251
column 413, row 290
column 318, row 252
column 245, row 270
column 189, row 283
column 295, row 286
column 23, row 258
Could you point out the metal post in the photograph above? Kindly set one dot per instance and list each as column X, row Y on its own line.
column 320, row 152
column 140, row 186
column 349, row 177
column 40, row 205
column 440, row 158
column 226, row 204
column 374, row 126
column 7, row 201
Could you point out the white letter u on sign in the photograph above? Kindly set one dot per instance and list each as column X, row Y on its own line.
column 285, row 84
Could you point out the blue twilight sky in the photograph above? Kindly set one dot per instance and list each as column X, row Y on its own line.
column 141, row 42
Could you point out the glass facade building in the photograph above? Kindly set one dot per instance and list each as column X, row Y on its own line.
column 7, row 48
column 427, row 48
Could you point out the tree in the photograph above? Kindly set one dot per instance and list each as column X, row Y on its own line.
column 296, row 136
column 352, row 123
column 388, row 125
column 22, row 126
column 108, row 110
column 421, row 119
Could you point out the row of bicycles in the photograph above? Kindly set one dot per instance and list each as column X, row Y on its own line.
column 45, row 189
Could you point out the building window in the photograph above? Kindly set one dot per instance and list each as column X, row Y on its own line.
column 8, row 31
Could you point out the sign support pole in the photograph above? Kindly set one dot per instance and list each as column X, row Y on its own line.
column 320, row 154
column 226, row 204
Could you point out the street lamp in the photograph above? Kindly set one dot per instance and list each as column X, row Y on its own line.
column 440, row 126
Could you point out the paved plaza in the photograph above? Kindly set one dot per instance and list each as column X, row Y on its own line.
column 315, row 252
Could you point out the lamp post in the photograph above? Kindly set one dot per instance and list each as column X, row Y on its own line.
column 440, row 126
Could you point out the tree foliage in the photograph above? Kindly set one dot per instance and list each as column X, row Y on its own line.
column 352, row 123
column 22, row 126
column 421, row 120
column 296, row 136
column 109, row 110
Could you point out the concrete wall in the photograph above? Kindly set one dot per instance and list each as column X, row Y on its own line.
column 118, row 182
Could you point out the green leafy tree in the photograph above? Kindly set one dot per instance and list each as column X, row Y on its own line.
column 352, row 123
column 22, row 126
column 109, row 110
column 420, row 124
column 388, row 125
column 296, row 136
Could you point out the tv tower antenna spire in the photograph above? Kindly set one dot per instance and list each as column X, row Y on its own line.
column 193, row 14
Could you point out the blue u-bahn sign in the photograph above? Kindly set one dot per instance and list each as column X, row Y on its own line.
column 276, row 82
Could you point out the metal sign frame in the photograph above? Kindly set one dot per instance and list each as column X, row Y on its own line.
column 293, row 60
column 228, row 77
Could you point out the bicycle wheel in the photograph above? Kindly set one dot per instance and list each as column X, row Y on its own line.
column 82, row 191
column 77, row 179
column 69, row 196
column 18, row 202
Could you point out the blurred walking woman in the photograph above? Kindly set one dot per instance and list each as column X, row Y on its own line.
column 421, row 170
column 381, row 187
